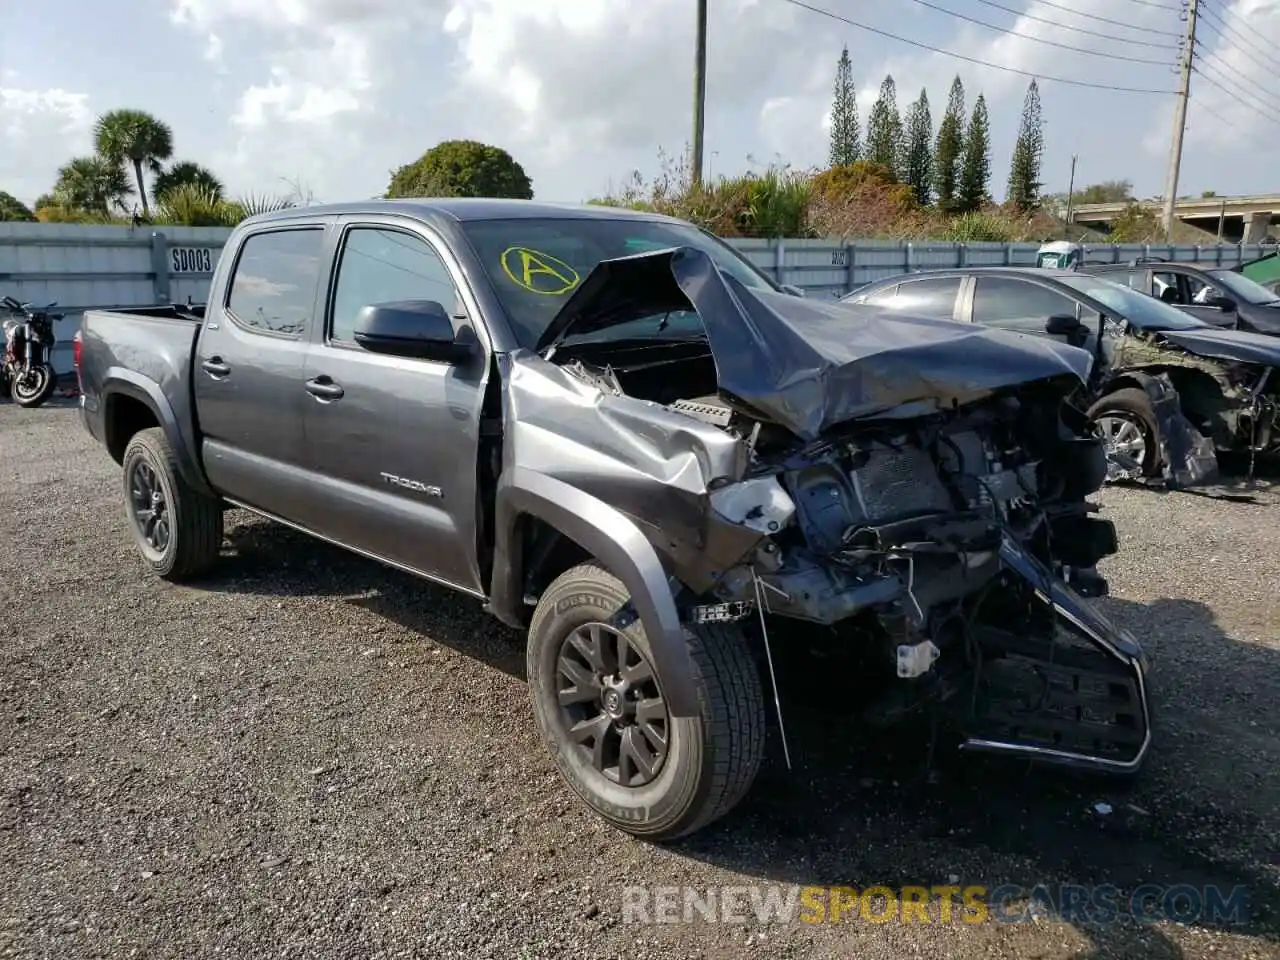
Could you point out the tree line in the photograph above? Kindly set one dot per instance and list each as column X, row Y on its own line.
column 949, row 167
column 131, row 177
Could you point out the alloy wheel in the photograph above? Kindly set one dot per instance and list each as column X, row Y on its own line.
column 149, row 508
column 1125, row 443
column 611, row 707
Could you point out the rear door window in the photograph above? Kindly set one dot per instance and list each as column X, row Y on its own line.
column 933, row 297
column 273, row 289
column 1018, row 304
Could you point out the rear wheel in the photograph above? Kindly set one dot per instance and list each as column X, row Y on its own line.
column 598, row 701
column 178, row 529
column 1125, row 421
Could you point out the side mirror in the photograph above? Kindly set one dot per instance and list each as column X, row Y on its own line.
column 1225, row 304
column 410, row 328
column 1062, row 325
column 792, row 289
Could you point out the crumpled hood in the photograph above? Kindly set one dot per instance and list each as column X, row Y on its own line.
column 808, row 365
column 1239, row 345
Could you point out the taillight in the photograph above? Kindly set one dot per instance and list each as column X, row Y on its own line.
column 75, row 359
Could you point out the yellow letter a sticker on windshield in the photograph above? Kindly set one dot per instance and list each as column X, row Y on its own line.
column 538, row 272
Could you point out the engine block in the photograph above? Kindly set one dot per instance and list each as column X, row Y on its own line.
column 870, row 484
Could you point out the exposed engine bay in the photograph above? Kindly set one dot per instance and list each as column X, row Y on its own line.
column 929, row 547
column 910, row 493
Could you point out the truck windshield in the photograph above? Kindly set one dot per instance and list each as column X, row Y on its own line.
column 1143, row 311
column 535, row 265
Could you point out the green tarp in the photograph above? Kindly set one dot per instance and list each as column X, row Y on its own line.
column 1263, row 270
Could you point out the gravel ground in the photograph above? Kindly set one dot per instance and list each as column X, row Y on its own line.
column 312, row 756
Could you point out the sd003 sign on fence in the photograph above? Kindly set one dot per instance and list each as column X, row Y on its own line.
column 191, row 259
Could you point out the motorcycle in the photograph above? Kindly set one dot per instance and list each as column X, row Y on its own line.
column 28, row 344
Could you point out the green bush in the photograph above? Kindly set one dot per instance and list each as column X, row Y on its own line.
column 13, row 209
column 978, row 228
column 462, row 168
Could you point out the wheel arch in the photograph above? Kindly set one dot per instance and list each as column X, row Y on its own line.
column 605, row 534
column 1200, row 395
column 131, row 404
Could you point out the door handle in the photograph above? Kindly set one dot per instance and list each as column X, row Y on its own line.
column 215, row 368
column 324, row 389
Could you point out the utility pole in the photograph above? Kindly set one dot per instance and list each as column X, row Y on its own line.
column 1071, row 190
column 699, row 91
column 1179, row 120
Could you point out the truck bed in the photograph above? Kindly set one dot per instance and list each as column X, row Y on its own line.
column 193, row 313
column 147, row 351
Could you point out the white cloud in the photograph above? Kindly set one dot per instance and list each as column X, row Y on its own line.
column 36, row 125
column 312, row 87
column 213, row 49
column 340, row 92
column 592, row 81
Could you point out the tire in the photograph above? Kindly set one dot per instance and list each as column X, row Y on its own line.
column 193, row 520
column 710, row 760
column 48, row 383
column 1132, row 405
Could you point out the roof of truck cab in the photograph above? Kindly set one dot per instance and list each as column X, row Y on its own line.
column 461, row 209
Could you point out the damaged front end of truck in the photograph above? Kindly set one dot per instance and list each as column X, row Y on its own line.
column 913, row 491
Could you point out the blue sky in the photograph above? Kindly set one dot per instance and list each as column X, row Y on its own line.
column 331, row 95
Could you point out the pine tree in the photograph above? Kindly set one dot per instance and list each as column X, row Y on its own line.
column 917, row 160
column 846, row 139
column 884, row 129
column 1028, row 152
column 975, row 169
column 948, row 148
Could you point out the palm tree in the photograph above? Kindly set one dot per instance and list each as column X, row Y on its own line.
column 92, row 183
column 184, row 173
column 136, row 137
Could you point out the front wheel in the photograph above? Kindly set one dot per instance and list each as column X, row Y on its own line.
column 1125, row 421
column 598, row 701
column 33, row 389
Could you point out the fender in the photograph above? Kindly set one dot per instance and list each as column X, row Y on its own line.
column 613, row 539
column 1135, row 378
column 120, row 381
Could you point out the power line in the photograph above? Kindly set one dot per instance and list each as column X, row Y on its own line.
column 1157, row 6
column 974, row 60
column 1091, row 33
column 1260, row 108
column 1218, row 63
column 1051, row 43
column 1114, row 23
column 1248, row 134
column 1228, row 35
column 1239, row 37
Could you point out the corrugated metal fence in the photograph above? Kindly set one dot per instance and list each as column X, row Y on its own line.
column 88, row 267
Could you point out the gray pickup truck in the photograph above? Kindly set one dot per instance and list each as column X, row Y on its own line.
column 628, row 442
